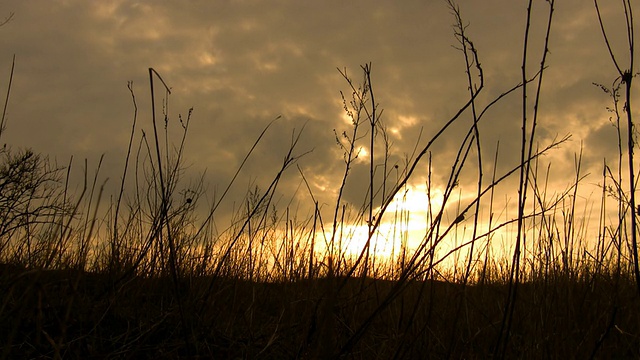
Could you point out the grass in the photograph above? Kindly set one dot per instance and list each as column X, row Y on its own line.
column 154, row 277
column 66, row 313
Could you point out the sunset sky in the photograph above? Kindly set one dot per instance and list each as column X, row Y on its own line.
column 241, row 64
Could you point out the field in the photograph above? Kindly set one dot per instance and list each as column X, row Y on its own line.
column 152, row 273
column 72, row 314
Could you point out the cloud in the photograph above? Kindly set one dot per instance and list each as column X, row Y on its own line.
column 241, row 64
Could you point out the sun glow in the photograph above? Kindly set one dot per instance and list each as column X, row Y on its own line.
column 402, row 227
column 362, row 154
column 407, row 229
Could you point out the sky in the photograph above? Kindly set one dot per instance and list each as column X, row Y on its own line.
column 242, row 64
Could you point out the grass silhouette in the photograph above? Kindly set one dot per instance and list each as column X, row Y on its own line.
column 154, row 278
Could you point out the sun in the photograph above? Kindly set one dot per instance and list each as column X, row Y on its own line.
column 402, row 227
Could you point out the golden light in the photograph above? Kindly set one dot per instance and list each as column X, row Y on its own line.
column 403, row 226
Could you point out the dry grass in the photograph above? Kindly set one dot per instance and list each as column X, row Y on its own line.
column 153, row 278
column 73, row 314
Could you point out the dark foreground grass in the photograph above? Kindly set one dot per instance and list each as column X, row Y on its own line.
column 154, row 278
column 74, row 314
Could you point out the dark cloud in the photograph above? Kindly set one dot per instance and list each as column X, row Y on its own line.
column 241, row 64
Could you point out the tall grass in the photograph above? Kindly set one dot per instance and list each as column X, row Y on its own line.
column 151, row 273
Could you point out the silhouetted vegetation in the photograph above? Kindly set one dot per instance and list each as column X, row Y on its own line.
column 155, row 277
